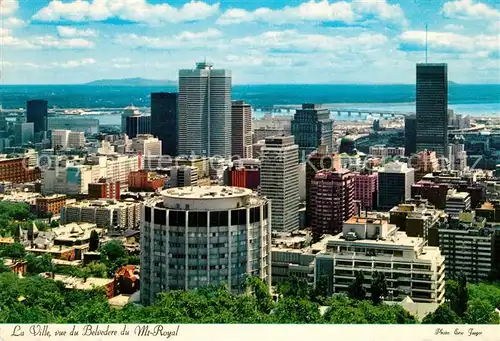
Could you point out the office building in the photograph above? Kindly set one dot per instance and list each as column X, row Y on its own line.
column 490, row 210
column 317, row 161
column 192, row 237
column 165, row 120
column 434, row 192
column 64, row 139
column 146, row 145
column 128, row 112
column 469, row 247
column 432, row 108
column 332, row 200
column 24, row 133
column 312, row 126
column 416, row 217
column 372, row 245
column 137, row 125
column 410, row 135
column 181, row 176
column 104, row 189
column 394, row 181
column 366, row 189
column 424, row 162
column 205, row 111
column 241, row 131
column 382, row 151
column 244, row 173
column 17, row 170
column 88, row 126
column 115, row 167
column 457, row 154
column 105, row 213
column 37, row 113
column 145, row 181
column 279, row 181
column 457, row 202
column 70, row 179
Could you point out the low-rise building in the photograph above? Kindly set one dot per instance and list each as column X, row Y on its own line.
column 415, row 218
column 372, row 245
column 457, row 202
column 145, row 181
column 90, row 283
column 49, row 205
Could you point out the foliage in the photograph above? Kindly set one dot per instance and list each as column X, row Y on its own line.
column 486, row 291
column 94, row 241
column 11, row 214
column 378, row 287
column 99, row 270
column 113, row 254
column 293, row 288
column 459, row 295
column 356, row 289
column 296, row 310
column 443, row 315
column 261, row 293
column 14, row 251
column 54, row 223
column 481, row 312
column 39, row 264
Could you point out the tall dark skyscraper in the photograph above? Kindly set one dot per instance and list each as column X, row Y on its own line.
column 432, row 108
column 165, row 120
column 410, row 135
column 312, row 126
column 36, row 112
column 138, row 124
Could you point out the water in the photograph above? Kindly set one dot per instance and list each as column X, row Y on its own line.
column 475, row 100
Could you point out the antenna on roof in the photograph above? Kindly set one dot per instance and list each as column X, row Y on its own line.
column 426, row 27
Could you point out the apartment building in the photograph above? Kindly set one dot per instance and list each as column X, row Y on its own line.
column 457, row 202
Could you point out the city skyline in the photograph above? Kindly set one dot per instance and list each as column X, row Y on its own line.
column 51, row 42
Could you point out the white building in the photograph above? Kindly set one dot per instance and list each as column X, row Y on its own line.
column 372, row 245
column 146, row 145
column 457, row 202
column 205, row 111
column 63, row 139
column 279, row 181
column 382, row 151
column 115, row 167
column 457, row 154
column 192, row 237
column 181, row 176
column 67, row 178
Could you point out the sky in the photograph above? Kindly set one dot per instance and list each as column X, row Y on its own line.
column 261, row 41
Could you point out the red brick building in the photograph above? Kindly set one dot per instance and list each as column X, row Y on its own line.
column 49, row 204
column 144, row 181
column 244, row 177
column 104, row 189
column 16, row 170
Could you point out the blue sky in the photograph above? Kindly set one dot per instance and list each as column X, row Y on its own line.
column 316, row 41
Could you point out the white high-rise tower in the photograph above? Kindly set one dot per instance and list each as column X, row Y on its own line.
column 205, row 111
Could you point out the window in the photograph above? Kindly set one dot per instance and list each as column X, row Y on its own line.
column 219, row 218
column 160, row 217
column 197, row 219
column 147, row 214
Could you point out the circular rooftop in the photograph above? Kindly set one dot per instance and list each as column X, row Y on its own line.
column 206, row 192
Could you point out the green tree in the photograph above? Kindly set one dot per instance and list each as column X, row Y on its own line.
column 294, row 287
column 54, row 223
column 113, row 254
column 96, row 270
column 481, row 312
column 296, row 310
column 261, row 293
column 14, row 251
column 320, row 292
column 3, row 267
column 443, row 315
column 378, row 288
column 460, row 295
column 356, row 289
column 39, row 264
column 94, row 241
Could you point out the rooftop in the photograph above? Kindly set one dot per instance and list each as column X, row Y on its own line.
column 206, row 192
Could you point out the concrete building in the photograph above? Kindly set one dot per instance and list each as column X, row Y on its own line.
column 194, row 237
column 434, row 192
column 24, row 133
column 416, row 218
column 332, row 200
column 181, row 176
column 372, row 245
column 382, row 151
column 457, row 154
column 432, row 108
column 88, row 126
column 107, row 214
column 64, row 139
column 469, row 247
column 145, row 181
column 244, row 173
column 146, row 145
column 165, row 120
column 205, row 111
column 410, row 135
column 395, row 180
column 50, row 204
column 114, row 167
column 311, row 127
column 128, row 112
column 137, row 125
column 241, row 130
column 424, row 162
column 366, row 189
column 279, row 181
column 457, row 202
column 70, row 179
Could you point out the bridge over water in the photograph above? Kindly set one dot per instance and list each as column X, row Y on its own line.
column 341, row 111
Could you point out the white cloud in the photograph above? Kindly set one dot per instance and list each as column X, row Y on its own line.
column 470, row 10
column 13, row 22
column 62, row 44
column 139, row 11
column 8, row 7
column 320, row 11
column 449, row 42
column 184, row 39
column 453, row 27
column 69, row 32
column 121, row 60
column 75, row 63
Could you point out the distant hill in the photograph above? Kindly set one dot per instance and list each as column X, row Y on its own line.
column 131, row 82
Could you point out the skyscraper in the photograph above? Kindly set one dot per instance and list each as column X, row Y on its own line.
column 36, row 112
column 23, row 133
column 241, row 131
column 432, row 108
column 332, row 200
column 205, row 111
column 394, row 181
column 279, row 181
column 410, row 135
column 312, row 126
column 137, row 125
column 165, row 120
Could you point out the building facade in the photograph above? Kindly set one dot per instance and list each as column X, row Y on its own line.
column 147, row 145
column 165, row 120
column 205, row 111
column 279, row 181
column 432, row 108
column 410, row 135
column 137, row 125
column 366, row 189
column 37, row 113
column 194, row 237
column 395, row 180
column 241, row 131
